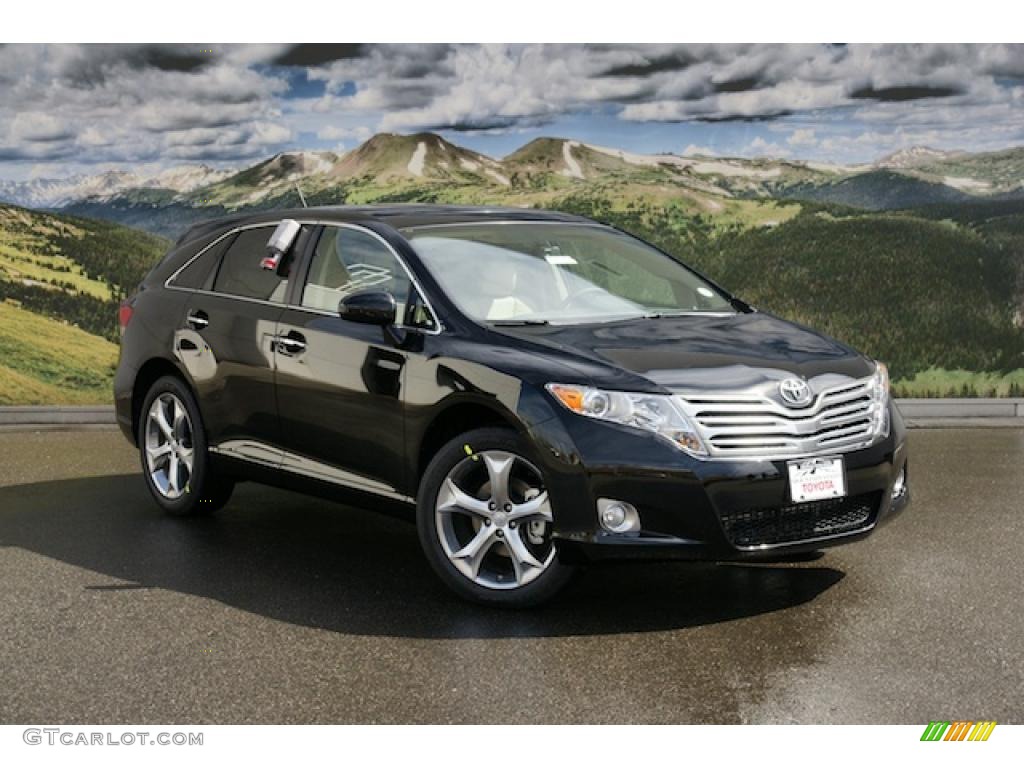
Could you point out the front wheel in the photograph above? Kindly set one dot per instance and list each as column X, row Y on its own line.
column 172, row 447
column 485, row 521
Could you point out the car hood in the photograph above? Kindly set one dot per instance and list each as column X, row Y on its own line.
column 696, row 351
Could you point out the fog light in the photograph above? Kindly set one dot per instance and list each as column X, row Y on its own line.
column 618, row 516
column 613, row 516
column 900, row 486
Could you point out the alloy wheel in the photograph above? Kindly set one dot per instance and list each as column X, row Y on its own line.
column 170, row 452
column 493, row 519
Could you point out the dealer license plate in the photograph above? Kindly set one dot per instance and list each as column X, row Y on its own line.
column 814, row 479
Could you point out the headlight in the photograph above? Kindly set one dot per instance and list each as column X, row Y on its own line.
column 878, row 389
column 655, row 413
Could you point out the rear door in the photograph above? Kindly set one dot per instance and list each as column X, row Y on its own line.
column 226, row 343
column 340, row 383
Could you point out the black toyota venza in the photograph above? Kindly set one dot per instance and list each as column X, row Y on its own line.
column 544, row 390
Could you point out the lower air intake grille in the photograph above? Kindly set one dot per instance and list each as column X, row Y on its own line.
column 753, row 528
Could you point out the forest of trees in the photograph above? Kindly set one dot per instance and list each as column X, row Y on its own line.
column 110, row 253
column 917, row 291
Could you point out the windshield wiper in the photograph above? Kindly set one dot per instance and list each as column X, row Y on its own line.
column 687, row 313
column 506, row 323
column 659, row 315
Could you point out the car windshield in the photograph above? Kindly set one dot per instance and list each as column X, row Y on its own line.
column 537, row 272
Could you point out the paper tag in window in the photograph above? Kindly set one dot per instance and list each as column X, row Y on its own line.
column 559, row 259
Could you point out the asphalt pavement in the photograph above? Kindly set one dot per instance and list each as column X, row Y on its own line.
column 286, row 609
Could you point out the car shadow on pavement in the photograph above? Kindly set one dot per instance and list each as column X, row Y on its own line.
column 315, row 563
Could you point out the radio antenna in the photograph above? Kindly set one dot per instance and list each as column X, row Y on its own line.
column 302, row 197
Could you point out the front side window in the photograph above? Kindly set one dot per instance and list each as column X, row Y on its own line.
column 240, row 273
column 558, row 273
column 348, row 260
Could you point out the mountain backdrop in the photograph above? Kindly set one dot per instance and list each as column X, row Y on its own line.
column 425, row 166
column 917, row 258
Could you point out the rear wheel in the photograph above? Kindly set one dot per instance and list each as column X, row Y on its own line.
column 485, row 521
column 172, row 447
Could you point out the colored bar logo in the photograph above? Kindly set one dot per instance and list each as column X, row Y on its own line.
column 958, row 730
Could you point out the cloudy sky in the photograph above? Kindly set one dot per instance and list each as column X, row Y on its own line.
column 69, row 109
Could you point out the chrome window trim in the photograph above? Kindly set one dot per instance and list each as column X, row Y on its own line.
column 204, row 249
column 503, row 222
column 435, row 331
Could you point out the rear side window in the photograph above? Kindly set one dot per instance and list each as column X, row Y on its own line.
column 240, row 272
column 196, row 274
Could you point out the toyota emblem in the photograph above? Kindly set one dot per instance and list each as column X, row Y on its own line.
column 795, row 392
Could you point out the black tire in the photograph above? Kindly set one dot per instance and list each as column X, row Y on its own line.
column 543, row 587
column 205, row 491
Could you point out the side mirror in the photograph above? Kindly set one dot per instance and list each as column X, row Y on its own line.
column 370, row 307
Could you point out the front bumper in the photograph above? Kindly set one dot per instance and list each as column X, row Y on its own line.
column 691, row 509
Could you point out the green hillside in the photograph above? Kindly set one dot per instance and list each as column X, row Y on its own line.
column 877, row 191
column 72, row 269
column 61, row 278
column 917, row 293
column 923, row 294
column 45, row 362
column 1000, row 171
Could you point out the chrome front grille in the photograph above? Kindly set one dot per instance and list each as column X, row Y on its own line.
column 756, row 424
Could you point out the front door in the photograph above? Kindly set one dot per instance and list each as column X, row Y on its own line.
column 339, row 383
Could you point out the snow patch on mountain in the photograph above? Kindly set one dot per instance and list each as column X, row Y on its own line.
column 643, row 160
column 722, row 168
column 54, row 193
column 966, row 185
column 501, row 179
column 914, row 156
column 186, row 178
column 831, row 167
column 418, row 159
column 572, row 167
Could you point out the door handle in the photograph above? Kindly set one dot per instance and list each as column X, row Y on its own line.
column 291, row 344
column 198, row 319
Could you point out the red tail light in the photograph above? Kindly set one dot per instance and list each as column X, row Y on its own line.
column 124, row 314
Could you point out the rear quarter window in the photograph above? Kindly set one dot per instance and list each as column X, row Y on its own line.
column 198, row 273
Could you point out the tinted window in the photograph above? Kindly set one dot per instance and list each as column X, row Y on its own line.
column 195, row 275
column 559, row 273
column 240, row 272
column 347, row 260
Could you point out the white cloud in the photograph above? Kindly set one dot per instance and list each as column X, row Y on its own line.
column 760, row 147
column 693, row 150
column 802, row 137
column 153, row 104
column 39, row 126
column 135, row 104
column 341, row 133
column 422, row 86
